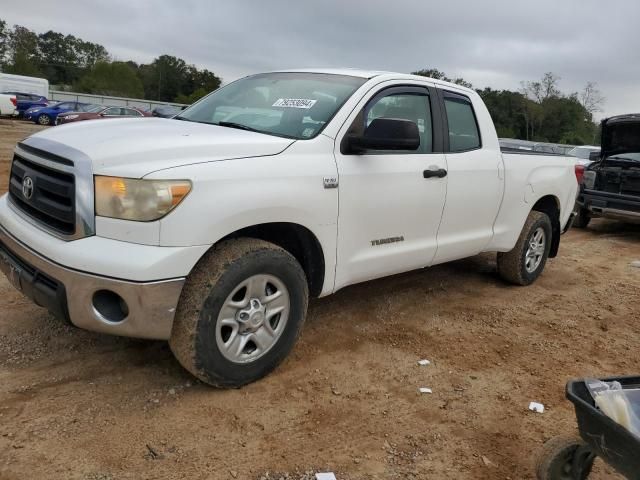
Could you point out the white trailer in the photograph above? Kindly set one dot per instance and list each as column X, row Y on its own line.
column 24, row 84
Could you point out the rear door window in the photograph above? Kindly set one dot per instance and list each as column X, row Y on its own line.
column 464, row 133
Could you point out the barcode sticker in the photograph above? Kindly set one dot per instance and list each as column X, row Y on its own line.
column 305, row 103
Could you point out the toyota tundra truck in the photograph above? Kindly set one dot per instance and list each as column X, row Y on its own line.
column 213, row 229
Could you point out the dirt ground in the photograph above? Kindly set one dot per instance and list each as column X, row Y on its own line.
column 78, row 405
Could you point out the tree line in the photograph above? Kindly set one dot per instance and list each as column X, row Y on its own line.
column 71, row 63
column 539, row 111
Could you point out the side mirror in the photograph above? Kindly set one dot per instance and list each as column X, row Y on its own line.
column 386, row 134
column 594, row 156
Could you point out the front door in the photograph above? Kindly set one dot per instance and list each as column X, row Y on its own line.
column 389, row 208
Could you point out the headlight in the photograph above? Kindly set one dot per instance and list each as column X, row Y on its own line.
column 70, row 117
column 138, row 200
column 35, row 110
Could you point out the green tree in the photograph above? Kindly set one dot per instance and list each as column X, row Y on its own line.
column 508, row 110
column 23, row 52
column 194, row 97
column 88, row 54
column 4, row 42
column 58, row 60
column 165, row 78
column 566, row 121
column 116, row 79
column 438, row 75
column 200, row 80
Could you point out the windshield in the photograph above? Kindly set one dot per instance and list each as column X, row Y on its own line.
column 582, row 152
column 292, row 105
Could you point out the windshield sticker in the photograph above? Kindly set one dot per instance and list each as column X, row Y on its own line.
column 295, row 103
column 307, row 132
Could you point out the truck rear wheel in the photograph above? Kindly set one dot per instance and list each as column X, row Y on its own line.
column 240, row 313
column 524, row 264
column 582, row 219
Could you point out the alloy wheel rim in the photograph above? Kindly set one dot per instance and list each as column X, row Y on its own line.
column 535, row 252
column 252, row 318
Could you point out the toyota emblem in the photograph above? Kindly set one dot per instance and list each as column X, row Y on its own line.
column 27, row 187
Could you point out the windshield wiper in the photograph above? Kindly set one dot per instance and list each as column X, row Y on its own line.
column 239, row 126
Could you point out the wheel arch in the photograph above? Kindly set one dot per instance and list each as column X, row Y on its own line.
column 550, row 205
column 296, row 239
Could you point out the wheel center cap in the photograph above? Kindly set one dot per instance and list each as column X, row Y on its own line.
column 251, row 318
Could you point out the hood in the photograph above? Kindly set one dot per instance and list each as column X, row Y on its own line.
column 135, row 147
column 621, row 134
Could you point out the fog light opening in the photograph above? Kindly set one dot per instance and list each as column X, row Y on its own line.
column 110, row 306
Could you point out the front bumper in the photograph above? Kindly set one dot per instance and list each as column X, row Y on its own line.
column 71, row 294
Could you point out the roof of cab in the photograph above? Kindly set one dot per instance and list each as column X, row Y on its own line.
column 355, row 72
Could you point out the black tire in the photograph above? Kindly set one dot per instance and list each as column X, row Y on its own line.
column 582, row 218
column 43, row 119
column 210, row 284
column 564, row 458
column 512, row 266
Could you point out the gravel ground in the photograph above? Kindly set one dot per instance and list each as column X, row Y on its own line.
column 78, row 405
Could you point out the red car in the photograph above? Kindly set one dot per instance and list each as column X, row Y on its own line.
column 101, row 111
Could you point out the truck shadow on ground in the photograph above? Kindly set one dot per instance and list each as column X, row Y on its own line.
column 612, row 228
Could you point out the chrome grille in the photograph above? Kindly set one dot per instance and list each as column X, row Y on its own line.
column 49, row 195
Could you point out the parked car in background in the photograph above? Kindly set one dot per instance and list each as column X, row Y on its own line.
column 610, row 186
column 97, row 112
column 28, row 100
column 564, row 149
column 166, row 111
column 583, row 153
column 47, row 115
column 8, row 105
column 515, row 145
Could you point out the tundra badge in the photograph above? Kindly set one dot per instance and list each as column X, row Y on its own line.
column 330, row 182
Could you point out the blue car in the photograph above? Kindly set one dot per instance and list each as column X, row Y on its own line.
column 27, row 101
column 47, row 115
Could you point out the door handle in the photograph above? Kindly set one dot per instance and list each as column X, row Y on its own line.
column 440, row 173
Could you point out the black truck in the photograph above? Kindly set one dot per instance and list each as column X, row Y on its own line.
column 610, row 186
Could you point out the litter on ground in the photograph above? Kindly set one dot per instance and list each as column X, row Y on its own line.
column 425, row 390
column 325, row 476
column 536, row 407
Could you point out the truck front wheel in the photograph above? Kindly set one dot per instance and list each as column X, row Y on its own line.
column 524, row 264
column 240, row 312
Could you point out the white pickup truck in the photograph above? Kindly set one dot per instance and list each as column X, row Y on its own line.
column 8, row 105
column 213, row 229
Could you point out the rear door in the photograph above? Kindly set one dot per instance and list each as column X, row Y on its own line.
column 389, row 209
column 475, row 181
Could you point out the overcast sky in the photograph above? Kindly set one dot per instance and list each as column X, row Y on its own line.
column 495, row 43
